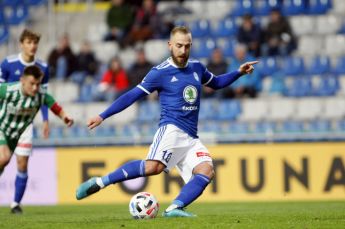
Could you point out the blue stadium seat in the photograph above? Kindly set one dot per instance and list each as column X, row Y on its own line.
column 12, row 2
column 35, row 2
column 56, row 132
column 225, row 28
column 277, row 84
column 35, row 133
column 319, row 65
column 264, row 127
column 128, row 130
column 209, row 127
column 200, row 28
column 243, row 7
column 228, row 47
column 293, row 7
column 203, row 48
column 340, row 126
column 105, row 131
column 262, row 8
column 229, row 109
column 148, row 111
column 327, row 86
column 299, row 87
column 16, row 14
column 2, row 16
column 315, row 126
column 293, row 66
column 78, row 131
column 148, row 129
column 238, row 128
column 4, row 34
column 291, row 126
column 267, row 66
column 86, row 92
column 318, row 6
column 340, row 65
column 208, row 109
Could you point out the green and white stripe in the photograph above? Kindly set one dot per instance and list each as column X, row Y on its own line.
column 17, row 111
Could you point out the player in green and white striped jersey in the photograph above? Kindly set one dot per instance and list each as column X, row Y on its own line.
column 19, row 103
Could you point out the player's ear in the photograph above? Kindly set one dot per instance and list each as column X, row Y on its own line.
column 22, row 78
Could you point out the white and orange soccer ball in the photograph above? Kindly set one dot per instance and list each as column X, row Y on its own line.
column 143, row 205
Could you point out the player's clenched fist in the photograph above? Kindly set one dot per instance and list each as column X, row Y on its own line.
column 95, row 121
column 68, row 121
column 247, row 67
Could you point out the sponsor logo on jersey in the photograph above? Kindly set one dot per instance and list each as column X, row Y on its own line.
column 20, row 111
column 190, row 94
column 202, row 154
column 17, row 72
column 196, row 76
column 190, row 108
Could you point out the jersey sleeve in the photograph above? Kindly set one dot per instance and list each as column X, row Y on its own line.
column 4, row 72
column 3, row 89
column 48, row 100
column 45, row 77
column 207, row 76
column 151, row 82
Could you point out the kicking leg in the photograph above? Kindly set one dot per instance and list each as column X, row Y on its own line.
column 130, row 170
column 202, row 175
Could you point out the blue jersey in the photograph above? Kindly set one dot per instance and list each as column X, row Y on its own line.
column 179, row 92
column 13, row 66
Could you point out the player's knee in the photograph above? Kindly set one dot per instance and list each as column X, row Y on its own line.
column 153, row 167
column 205, row 169
column 4, row 161
column 22, row 165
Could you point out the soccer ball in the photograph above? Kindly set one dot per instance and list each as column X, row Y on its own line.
column 143, row 205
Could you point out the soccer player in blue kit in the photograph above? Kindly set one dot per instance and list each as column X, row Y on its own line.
column 11, row 69
column 178, row 81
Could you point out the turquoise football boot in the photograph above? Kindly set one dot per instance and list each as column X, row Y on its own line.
column 87, row 188
column 177, row 212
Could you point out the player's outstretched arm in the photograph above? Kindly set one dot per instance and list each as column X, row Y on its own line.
column 57, row 110
column 94, row 121
column 227, row 79
column 247, row 67
column 117, row 106
column 65, row 118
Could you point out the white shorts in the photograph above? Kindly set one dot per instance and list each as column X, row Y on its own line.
column 24, row 146
column 173, row 147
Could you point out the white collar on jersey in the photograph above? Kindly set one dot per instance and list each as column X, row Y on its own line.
column 20, row 57
column 174, row 65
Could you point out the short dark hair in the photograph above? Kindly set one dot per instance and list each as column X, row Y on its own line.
column 247, row 17
column 34, row 71
column 179, row 29
column 29, row 34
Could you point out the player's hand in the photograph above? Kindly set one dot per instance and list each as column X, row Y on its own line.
column 247, row 67
column 68, row 121
column 95, row 121
column 46, row 129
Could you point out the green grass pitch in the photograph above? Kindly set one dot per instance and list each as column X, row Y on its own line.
column 216, row 215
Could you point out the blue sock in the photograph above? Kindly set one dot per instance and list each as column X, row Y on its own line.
column 192, row 190
column 130, row 170
column 20, row 186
